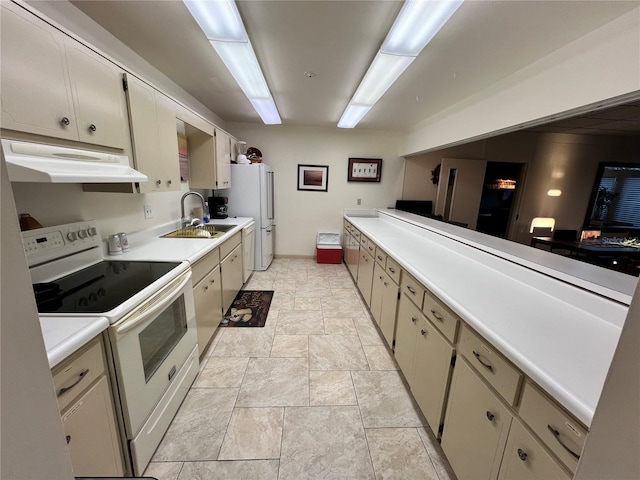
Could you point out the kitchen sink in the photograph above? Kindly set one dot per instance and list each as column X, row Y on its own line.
column 203, row 231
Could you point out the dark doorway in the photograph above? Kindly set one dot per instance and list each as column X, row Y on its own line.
column 501, row 182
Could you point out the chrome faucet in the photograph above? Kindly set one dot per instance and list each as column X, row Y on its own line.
column 185, row 221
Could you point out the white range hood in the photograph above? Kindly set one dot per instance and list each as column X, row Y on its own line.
column 36, row 162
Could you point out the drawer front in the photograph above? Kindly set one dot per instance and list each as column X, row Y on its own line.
column 364, row 240
column 496, row 369
column 412, row 289
column 371, row 248
column 393, row 270
column 203, row 266
column 347, row 226
column 526, row 459
column 356, row 233
column 77, row 373
column 227, row 247
column 558, row 430
column 441, row 316
column 381, row 257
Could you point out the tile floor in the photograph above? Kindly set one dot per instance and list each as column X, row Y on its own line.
column 315, row 394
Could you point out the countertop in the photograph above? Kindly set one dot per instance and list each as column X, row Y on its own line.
column 561, row 336
column 65, row 335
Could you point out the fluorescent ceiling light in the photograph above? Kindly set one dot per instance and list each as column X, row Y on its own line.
column 267, row 110
column 221, row 22
column 383, row 72
column 416, row 24
column 352, row 115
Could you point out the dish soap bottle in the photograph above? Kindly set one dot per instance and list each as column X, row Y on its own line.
column 205, row 214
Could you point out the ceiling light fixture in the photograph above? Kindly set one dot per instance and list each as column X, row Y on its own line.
column 221, row 23
column 416, row 24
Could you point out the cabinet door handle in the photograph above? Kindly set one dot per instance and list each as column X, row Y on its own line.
column 381, row 279
column 437, row 315
column 169, row 182
column 65, row 121
column 488, row 366
column 386, row 284
column 81, row 375
column 212, row 282
column 68, row 437
column 206, row 287
column 92, row 128
column 490, row 416
column 414, row 319
column 556, row 434
column 158, row 182
column 411, row 290
column 423, row 332
column 522, row 454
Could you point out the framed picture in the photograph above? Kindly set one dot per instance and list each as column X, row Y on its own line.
column 314, row 178
column 364, row 170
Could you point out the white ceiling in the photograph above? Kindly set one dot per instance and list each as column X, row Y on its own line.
column 483, row 42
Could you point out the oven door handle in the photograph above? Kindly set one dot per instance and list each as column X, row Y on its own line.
column 164, row 299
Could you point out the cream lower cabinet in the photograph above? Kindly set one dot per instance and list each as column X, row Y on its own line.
column 384, row 303
column 352, row 255
column 476, row 426
column 424, row 357
column 208, row 303
column 365, row 274
column 231, row 274
column 526, row 459
column 88, row 416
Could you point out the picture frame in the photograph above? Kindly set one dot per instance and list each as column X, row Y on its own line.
column 364, row 170
column 313, row 178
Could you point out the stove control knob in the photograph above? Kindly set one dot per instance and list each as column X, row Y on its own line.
column 82, row 233
column 72, row 236
column 92, row 231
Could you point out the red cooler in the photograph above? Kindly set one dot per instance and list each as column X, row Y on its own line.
column 328, row 248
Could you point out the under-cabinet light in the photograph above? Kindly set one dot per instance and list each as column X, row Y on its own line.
column 221, row 22
column 416, row 24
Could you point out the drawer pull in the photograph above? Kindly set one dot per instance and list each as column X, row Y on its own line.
column 490, row 416
column 437, row 315
column 423, row 332
column 379, row 257
column 414, row 319
column 68, row 437
column 522, row 454
column 392, row 270
column 386, row 284
column 556, row 434
column 81, row 375
column 411, row 290
column 488, row 366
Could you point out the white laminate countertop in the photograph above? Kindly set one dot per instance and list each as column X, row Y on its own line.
column 561, row 336
column 65, row 335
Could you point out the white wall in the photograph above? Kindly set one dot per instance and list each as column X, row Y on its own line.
column 301, row 214
column 33, row 445
column 601, row 65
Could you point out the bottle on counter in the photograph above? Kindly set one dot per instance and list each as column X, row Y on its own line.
column 205, row 214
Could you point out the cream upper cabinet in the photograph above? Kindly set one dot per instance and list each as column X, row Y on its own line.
column 223, row 159
column 55, row 86
column 154, row 136
column 476, row 426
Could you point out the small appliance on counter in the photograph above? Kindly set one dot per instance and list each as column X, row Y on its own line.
column 242, row 153
column 218, row 207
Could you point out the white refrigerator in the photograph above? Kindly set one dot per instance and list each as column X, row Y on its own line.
column 252, row 195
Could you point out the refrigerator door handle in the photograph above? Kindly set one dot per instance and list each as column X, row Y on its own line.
column 270, row 208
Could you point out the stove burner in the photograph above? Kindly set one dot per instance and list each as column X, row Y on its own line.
column 98, row 288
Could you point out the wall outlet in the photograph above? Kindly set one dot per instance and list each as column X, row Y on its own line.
column 359, row 201
column 148, row 212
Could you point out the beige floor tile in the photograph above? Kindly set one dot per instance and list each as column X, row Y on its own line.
column 436, row 454
column 245, row 342
column 368, row 333
column 331, row 387
column 290, row 346
column 231, row 470
column 253, row 434
column 299, row 322
column 336, row 352
column 222, row 372
column 379, row 357
column 324, row 443
column 275, row 382
column 283, row 285
column 260, row 284
column 398, row 453
column 163, row 470
column 197, row 431
column 346, row 293
column 339, row 326
column 385, row 401
column 341, row 282
column 282, row 300
column 342, row 307
column 307, row 303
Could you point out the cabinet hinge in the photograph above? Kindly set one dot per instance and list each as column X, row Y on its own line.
column 440, row 429
column 125, row 84
column 393, row 344
column 398, row 295
column 453, row 360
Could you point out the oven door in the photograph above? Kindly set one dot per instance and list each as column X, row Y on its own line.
column 150, row 345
